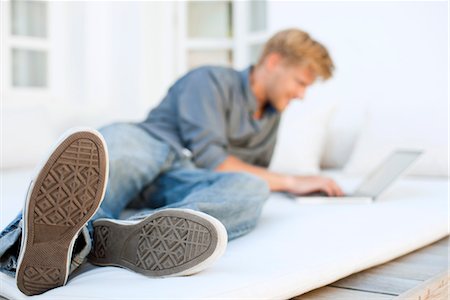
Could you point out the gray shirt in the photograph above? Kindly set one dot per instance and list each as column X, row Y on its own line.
column 209, row 111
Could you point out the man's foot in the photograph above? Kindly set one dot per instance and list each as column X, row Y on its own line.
column 61, row 199
column 171, row 242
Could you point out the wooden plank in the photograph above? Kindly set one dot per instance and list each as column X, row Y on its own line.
column 434, row 250
column 333, row 293
column 424, row 258
column 439, row 248
column 412, row 271
column 376, row 283
column 434, row 288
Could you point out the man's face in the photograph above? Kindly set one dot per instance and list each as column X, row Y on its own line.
column 287, row 82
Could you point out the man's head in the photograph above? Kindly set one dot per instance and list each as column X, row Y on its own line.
column 290, row 62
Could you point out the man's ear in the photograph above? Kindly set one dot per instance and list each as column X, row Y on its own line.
column 272, row 60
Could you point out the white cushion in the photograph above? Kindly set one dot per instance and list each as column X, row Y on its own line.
column 301, row 138
column 343, row 130
column 375, row 144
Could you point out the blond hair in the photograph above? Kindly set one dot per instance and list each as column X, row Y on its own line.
column 297, row 47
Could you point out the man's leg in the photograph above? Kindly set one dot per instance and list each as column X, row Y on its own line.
column 136, row 158
column 61, row 199
column 10, row 246
column 172, row 242
column 236, row 199
column 168, row 243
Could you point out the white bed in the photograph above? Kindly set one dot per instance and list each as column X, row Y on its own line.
column 294, row 249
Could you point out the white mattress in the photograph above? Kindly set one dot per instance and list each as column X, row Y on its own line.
column 295, row 248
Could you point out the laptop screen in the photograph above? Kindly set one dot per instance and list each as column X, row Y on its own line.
column 387, row 173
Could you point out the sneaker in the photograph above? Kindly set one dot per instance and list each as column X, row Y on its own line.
column 61, row 199
column 171, row 242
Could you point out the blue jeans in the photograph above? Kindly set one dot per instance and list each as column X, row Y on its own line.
column 146, row 175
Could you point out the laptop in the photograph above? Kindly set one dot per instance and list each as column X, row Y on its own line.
column 373, row 185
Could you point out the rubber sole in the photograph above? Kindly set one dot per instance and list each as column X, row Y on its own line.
column 62, row 198
column 167, row 243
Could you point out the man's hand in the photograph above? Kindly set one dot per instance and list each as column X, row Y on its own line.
column 301, row 185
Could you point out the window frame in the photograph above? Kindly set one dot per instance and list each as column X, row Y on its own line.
column 239, row 43
column 24, row 95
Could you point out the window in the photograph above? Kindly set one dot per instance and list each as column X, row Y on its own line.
column 217, row 15
column 229, row 33
column 28, row 67
column 25, row 48
column 257, row 28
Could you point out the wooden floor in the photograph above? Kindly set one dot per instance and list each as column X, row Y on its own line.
column 422, row 274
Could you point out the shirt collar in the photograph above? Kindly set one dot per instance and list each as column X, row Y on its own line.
column 252, row 103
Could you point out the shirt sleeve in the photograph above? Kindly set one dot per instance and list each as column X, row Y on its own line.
column 202, row 116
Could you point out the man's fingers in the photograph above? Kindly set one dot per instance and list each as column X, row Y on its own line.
column 328, row 190
column 311, row 184
column 337, row 190
column 332, row 189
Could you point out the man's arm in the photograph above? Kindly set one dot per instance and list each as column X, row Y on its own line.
column 279, row 182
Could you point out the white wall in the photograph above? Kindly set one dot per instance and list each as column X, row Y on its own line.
column 110, row 61
column 109, row 56
column 122, row 58
column 391, row 58
column 119, row 58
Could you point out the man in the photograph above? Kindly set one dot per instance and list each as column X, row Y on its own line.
column 195, row 169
